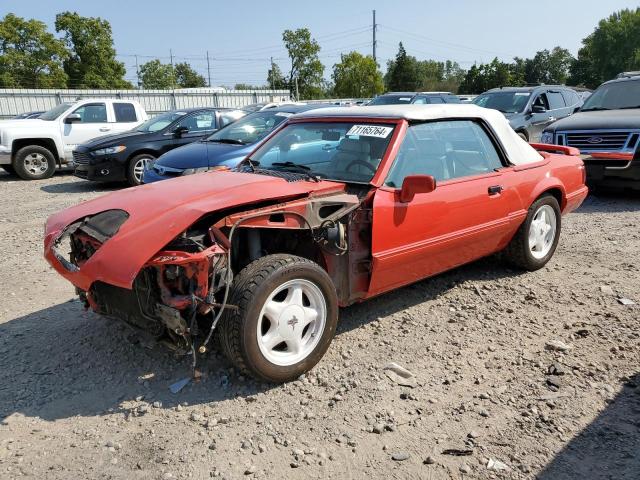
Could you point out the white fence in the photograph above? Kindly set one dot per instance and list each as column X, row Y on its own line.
column 15, row 101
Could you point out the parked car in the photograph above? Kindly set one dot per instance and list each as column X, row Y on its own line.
column 607, row 132
column 402, row 98
column 531, row 109
column 258, row 107
column 466, row 98
column 337, row 206
column 25, row 115
column 124, row 156
column 33, row 148
column 225, row 148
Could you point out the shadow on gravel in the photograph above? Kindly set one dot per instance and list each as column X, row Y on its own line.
column 63, row 361
column 609, row 448
column 603, row 201
column 82, row 186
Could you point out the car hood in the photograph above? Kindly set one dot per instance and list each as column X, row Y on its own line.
column 158, row 212
column 606, row 119
column 114, row 139
column 33, row 123
column 204, row 154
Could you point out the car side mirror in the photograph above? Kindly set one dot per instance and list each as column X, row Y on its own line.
column 73, row 118
column 576, row 110
column 178, row 132
column 414, row 184
column 538, row 109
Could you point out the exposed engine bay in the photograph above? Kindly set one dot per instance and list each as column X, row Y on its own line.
column 181, row 294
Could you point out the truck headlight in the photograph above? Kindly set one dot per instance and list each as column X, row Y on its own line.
column 109, row 150
column 547, row 137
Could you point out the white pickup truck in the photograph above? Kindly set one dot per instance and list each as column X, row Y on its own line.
column 33, row 148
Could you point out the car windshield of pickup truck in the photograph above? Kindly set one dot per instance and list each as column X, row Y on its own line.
column 156, row 124
column 342, row 151
column 505, row 102
column 249, row 129
column 55, row 112
column 614, row 96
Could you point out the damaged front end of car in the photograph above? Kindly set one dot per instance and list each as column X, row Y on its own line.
column 181, row 293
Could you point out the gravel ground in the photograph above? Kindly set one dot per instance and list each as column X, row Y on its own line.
column 516, row 375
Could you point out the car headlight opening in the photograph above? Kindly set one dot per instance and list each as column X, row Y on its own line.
column 110, row 150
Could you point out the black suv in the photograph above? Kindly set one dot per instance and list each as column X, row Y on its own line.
column 607, row 132
column 530, row 109
column 404, row 98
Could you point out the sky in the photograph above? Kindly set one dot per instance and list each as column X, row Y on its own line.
column 242, row 36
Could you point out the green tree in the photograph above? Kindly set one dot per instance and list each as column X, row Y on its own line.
column 403, row 72
column 245, row 86
column 546, row 66
column 357, row 76
column 157, row 75
column 187, row 77
column 276, row 79
column 491, row 75
column 305, row 76
column 92, row 61
column 30, row 57
column 613, row 47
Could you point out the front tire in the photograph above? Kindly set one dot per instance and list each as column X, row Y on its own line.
column 34, row 163
column 286, row 318
column 537, row 238
column 136, row 167
column 523, row 136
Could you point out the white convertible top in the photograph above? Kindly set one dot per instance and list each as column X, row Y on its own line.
column 518, row 150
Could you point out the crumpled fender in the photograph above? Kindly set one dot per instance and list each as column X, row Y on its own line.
column 158, row 212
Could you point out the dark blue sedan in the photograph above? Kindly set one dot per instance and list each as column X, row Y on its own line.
column 225, row 148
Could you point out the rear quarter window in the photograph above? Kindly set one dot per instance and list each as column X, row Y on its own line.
column 125, row 112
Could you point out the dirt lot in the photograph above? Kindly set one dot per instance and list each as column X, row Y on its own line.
column 86, row 397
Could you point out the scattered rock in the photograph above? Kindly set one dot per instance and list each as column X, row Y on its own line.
column 399, row 375
column 626, row 301
column 429, row 460
column 607, row 290
column 494, row 464
column 400, row 456
column 557, row 346
column 464, row 468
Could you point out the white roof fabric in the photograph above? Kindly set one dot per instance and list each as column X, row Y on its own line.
column 518, row 150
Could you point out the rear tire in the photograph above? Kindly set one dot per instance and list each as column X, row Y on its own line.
column 523, row 136
column 136, row 167
column 286, row 318
column 537, row 238
column 34, row 163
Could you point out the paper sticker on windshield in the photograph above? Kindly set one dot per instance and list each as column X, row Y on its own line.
column 370, row 131
column 283, row 114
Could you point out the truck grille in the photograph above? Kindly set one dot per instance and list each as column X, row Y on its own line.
column 598, row 141
column 80, row 158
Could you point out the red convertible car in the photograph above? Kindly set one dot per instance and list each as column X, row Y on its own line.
column 335, row 207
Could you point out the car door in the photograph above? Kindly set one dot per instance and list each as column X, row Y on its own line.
column 557, row 107
column 197, row 125
column 93, row 122
column 541, row 116
column 125, row 117
column 464, row 218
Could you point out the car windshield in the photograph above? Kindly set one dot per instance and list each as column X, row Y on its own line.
column 55, row 112
column 506, row 102
column 159, row 122
column 249, row 129
column 613, row 96
column 341, row 151
column 392, row 100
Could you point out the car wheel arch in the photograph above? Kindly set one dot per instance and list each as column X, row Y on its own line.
column 556, row 190
column 47, row 143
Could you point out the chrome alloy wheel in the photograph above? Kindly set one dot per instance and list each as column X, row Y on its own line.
column 291, row 322
column 139, row 168
column 36, row 164
column 542, row 231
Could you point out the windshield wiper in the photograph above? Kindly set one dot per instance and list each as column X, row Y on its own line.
column 594, row 109
column 296, row 168
column 628, row 108
column 231, row 141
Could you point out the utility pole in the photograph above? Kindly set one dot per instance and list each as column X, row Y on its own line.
column 137, row 71
column 297, row 93
column 271, row 73
column 208, row 69
column 173, row 78
column 375, row 27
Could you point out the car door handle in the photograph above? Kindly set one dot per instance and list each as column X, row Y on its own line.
column 552, row 119
column 104, row 129
column 495, row 189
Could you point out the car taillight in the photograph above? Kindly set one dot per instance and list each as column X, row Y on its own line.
column 583, row 170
